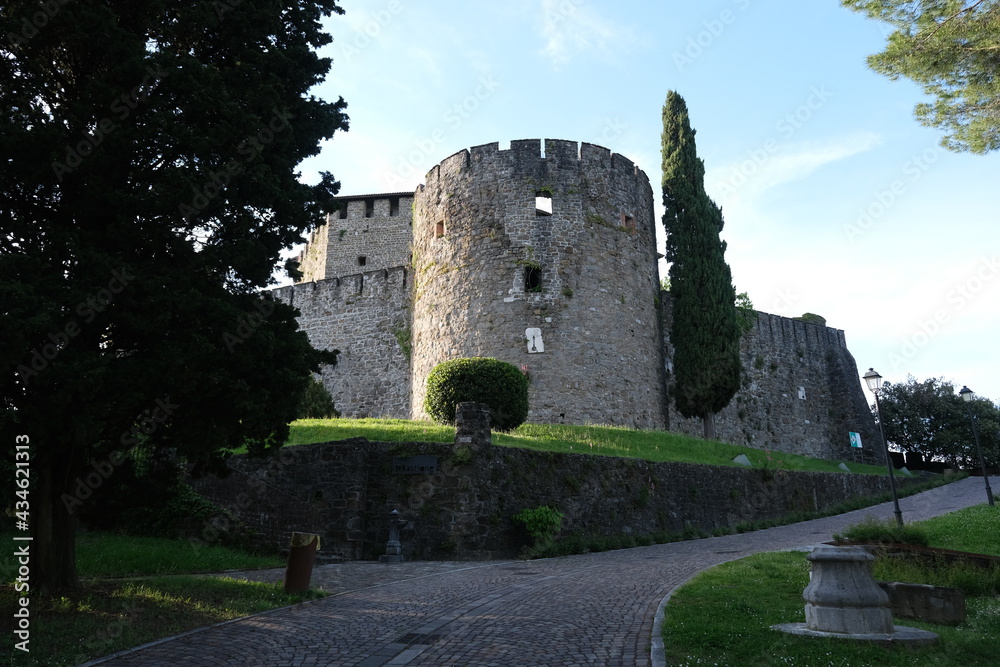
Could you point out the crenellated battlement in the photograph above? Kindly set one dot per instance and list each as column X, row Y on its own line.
column 788, row 331
column 526, row 154
column 375, row 284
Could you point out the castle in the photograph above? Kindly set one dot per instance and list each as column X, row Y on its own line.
column 544, row 255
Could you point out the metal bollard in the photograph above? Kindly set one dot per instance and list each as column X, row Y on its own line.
column 301, row 556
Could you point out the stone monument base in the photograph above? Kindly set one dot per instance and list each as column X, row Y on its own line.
column 901, row 635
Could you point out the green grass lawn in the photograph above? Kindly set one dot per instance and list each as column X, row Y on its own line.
column 724, row 615
column 106, row 555
column 110, row 613
column 598, row 440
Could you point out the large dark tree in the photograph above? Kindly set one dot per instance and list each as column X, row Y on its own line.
column 952, row 49
column 929, row 418
column 147, row 157
column 706, row 330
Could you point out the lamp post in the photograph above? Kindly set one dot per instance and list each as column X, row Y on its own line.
column 874, row 382
column 967, row 395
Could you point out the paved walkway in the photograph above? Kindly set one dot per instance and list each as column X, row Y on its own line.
column 591, row 609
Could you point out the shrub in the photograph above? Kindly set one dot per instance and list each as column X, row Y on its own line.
column 812, row 317
column 496, row 383
column 542, row 523
column 888, row 531
column 316, row 403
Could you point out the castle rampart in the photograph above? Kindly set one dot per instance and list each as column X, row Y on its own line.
column 544, row 255
column 367, row 233
column 800, row 393
column 535, row 259
column 366, row 317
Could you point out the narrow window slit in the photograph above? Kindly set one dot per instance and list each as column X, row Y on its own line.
column 543, row 203
column 532, row 279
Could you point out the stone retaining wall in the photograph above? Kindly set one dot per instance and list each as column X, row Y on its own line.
column 463, row 510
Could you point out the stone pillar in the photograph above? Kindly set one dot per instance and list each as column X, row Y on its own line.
column 843, row 601
column 842, row 595
column 472, row 425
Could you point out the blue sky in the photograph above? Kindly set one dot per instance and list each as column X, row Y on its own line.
column 836, row 201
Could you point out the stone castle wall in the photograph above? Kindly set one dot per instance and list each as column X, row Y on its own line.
column 445, row 275
column 369, row 232
column 312, row 259
column 586, row 326
column 800, row 393
column 344, row 491
column 366, row 317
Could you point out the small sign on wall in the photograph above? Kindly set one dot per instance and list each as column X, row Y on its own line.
column 855, row 440
column 414, row 465
column 533, row 337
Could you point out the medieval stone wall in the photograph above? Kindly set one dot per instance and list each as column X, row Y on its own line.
column 369, row 232
column 366, row 317
column 464, row 508
column 547, row 261
column 800, row 393
column 312, row 259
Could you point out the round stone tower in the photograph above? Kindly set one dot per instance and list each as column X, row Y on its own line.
column 547, row 261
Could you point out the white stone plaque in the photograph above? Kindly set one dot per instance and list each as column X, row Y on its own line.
column 534, row 340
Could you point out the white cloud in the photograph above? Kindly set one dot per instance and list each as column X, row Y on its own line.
column 569, row 28
column 774, row 164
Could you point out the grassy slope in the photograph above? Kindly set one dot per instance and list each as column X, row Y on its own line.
column 599, row 440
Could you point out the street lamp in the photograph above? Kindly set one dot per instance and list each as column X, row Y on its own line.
column 874, row 382
column 967, row 395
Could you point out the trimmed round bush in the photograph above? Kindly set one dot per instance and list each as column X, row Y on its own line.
column 496, row 383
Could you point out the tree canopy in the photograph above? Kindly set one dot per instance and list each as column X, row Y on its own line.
column 148, row 188
column 929, row 418
column 952, row 49
column 706, row 328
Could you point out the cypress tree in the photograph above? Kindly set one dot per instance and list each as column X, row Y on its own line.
column 705, row 332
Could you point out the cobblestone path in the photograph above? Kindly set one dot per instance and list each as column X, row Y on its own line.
column 591, row 609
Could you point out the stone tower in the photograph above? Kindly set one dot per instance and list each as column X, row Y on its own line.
column 368, row 233
column 546, row 260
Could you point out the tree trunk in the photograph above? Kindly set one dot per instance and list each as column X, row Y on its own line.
column 708, row 419
column 53, row 527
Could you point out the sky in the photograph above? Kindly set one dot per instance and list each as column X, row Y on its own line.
column 836, row 200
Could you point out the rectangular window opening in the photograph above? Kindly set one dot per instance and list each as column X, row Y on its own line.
column 342, row 213
column 532, row 279
column 370, row 207
column 543, row 203
column 362, row 260
column 393, row 206
column 628, row 223
column 439, row 229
